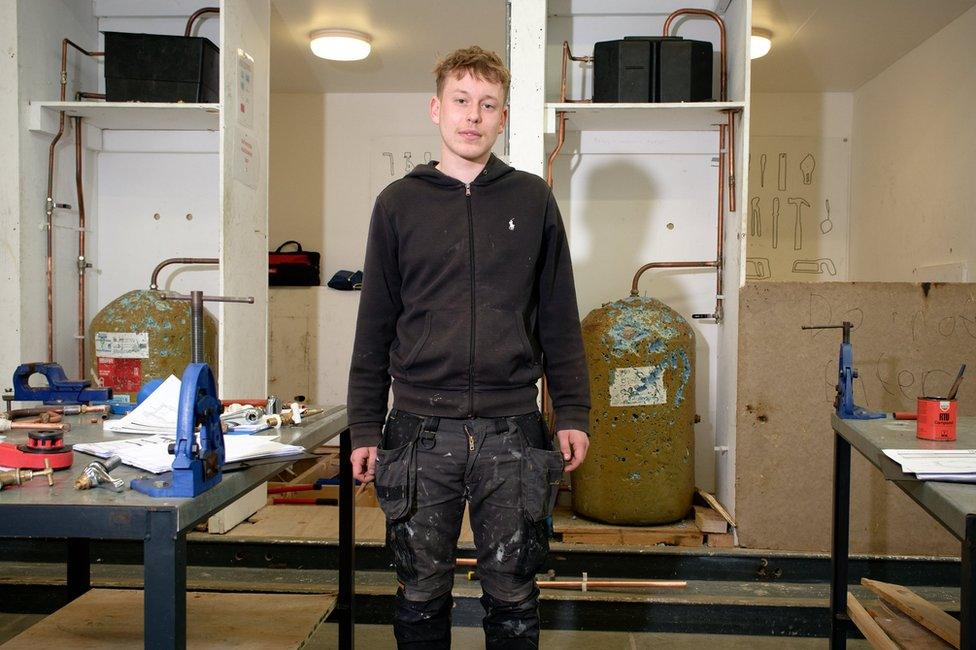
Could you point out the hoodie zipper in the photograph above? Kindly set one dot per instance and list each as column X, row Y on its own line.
column 467, row 198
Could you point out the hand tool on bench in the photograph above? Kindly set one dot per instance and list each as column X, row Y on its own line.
column 846, row 374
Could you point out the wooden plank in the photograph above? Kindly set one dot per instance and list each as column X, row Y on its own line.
column 868, row 626
column 113, row 618
column 239, row 510
column 927, row 614
column 709, row 521
column 903, row 630
column 715, row 505
column 578, row 530
column 717, row 540
column 320, row 522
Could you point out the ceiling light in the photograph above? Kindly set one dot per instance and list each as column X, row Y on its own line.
column 759, row 44
column 340, row 44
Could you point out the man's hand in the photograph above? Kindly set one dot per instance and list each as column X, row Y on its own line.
column 363, row 463
column 573, row 443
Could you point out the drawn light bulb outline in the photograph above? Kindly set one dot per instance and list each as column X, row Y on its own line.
column 807, row 165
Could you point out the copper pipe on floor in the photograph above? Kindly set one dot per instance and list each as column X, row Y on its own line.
column 196, row 14
column 154, row 280
column 567, row 57
column 723, row 79
column 611, row 584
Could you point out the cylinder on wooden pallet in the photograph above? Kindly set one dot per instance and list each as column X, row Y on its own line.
column 640, row 468
column 140, row 336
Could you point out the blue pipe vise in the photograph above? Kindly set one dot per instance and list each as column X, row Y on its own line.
column 59, row 390
column 197, row 464
column 846, row 374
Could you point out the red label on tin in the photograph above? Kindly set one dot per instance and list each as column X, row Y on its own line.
column 121, row 375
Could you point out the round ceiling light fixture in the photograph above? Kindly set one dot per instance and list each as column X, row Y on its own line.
column 340, row 44
column 760, row 43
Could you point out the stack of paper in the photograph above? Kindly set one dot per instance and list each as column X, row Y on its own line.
column 157, row 414
column 151, row 453
column 955, row 465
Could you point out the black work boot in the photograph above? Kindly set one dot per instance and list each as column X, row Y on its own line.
column 423, row 625
column 511, row 625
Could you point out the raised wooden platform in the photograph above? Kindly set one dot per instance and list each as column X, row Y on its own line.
column 113, row 618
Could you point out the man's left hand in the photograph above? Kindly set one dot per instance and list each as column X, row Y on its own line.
column 573, row 443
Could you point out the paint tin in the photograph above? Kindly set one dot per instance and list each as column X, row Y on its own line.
column 936, row 418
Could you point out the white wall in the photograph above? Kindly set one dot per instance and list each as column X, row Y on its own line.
column 325, row 154
column 796, row 124
column 913, row 163
column 9, row 193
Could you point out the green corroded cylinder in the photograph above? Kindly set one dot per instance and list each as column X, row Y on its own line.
column 640, row 468
column 139, row 337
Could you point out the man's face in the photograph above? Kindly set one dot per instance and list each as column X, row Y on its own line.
column 470, row 114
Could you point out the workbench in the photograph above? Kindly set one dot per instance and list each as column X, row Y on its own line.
column 953, row 505
column 38, row 510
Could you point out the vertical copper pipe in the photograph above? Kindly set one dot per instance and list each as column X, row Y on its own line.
column 723, row 79
column 731, row 159
column 560, row 140
column 82, row 261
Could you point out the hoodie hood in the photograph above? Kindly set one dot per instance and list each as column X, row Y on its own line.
column 494, row 169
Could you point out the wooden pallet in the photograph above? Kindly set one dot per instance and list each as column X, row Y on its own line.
column 705, row 528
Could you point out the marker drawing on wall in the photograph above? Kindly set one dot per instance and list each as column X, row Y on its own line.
column 826, row 225
column 821, row 266
column 781, row 180
column 798, row 202
column 755, row 219
column 775, row 222
column 427, row 157
column 762, row 170
column 392, row 168
column 757, row 268
column 807, row 165
column 407, row 162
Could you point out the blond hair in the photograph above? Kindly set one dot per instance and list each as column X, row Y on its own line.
column 476, row 61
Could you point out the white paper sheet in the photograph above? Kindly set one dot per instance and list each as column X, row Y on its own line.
column 150, row 453
column 157, row 414
column 928, row 462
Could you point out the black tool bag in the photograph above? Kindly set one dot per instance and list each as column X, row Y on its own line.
column 297, row 268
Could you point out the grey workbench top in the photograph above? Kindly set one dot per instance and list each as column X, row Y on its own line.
column 17, row 503
column 949, row 503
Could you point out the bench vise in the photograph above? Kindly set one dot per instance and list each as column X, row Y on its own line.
column 59, row 389
column 196, row 465
column 846, row 374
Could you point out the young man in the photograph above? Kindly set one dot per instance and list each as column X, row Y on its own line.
column 468, row 297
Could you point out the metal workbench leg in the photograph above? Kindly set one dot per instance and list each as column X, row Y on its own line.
column 347, row 546
column 164, row 568
column 840, row 535
column 79, row 567
column 967, row 587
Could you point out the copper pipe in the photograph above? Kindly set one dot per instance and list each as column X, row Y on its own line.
column 731, row 155
column 560, row 141
column 196, row 14
column 634, row 291
column 82, row 261
column 611, row 584
column 41, row 426
column 723, row 81
column 153, row 282
column 62, row 410
column 568, row 56
column 84, row 95
column 49, row 200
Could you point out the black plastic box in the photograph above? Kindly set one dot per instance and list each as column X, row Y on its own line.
column 674, row 69
column 160, row 68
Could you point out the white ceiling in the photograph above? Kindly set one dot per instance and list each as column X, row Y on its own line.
column 837, row 45
column 408, row 37
column 818, row 45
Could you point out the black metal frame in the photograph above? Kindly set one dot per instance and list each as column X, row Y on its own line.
column 840, row 622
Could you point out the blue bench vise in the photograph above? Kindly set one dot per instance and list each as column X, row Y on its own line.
column 846, row 374
column 59, row 389
column 196, row 466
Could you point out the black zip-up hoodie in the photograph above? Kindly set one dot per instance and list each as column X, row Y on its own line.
column 468, row 297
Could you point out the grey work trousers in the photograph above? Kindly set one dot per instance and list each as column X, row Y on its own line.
column 504, row 468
